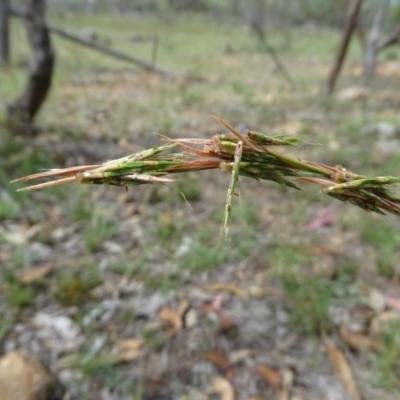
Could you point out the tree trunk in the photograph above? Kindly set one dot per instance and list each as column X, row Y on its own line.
column 22, row 112
column 371, row 45
column 4, row 33
column 351, row 18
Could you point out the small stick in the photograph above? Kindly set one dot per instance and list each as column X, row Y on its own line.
column 232, row 185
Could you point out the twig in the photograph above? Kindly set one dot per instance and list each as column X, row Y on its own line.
column 150, row 66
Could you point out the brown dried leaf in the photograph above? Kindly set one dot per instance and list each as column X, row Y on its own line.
column 107, row 358
column 171, row 317
column 125, row 356
column 358, row 341
column 342, row 369
column 34, row 274
column 183, row 307
column 226, row 287
column 128, row 210
column 238, row 356
column 225, row 323
column 175, row 318
column 271, row 375
column 223, row 388
column 129, row 344
column 218, row 358
column 128, row 349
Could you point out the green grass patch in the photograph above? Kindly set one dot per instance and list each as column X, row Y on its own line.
column 17, row 294
column 287, row 260
column 189, row 188
column 78, row 205
column 18, row 159
column 167, row 229
column 20, row 296
column 310, row 298
column 99, row 228
column 5, row 327
column 391, row 166
column 206, row 253
column 9, row 209
column 383, row 236
column 140, row 269
column 386, row 361
column 310, row 295
column 73, row 285
column 21, row 258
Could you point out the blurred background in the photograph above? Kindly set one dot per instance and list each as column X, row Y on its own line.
column 117, row 294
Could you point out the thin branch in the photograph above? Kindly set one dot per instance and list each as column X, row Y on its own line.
column 257, row 29
column 149, row 66
column 391, row 39
column 371, row 45
column 351, row 18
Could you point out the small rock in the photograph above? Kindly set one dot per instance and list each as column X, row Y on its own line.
column 41, row 251
column 386, row 130
column 61, row 233
column 106, row 395
column 113, row 247
column 281, row 331
column 184, row 247
column 376, row 300
column 148, row 306
column 59, row 332
column 23, row 377
column 282, row 317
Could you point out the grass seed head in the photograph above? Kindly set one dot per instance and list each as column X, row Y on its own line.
column 247, row 154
